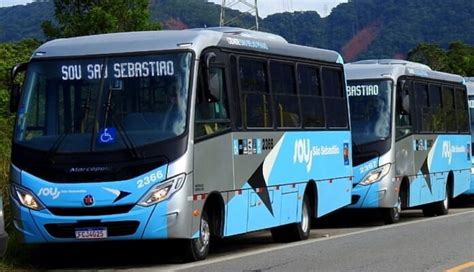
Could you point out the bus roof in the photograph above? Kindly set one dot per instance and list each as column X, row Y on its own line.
column 469, row 82
column 393, row 68
column 195, row 39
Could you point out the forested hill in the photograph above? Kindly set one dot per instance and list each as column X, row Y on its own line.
column 359, row 29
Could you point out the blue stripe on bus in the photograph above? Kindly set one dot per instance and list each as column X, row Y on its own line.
column 297, row 158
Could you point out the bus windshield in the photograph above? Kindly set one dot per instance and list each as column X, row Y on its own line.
column 370, row 106
column 103, row 104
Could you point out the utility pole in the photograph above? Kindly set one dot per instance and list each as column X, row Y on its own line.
column 252, row 9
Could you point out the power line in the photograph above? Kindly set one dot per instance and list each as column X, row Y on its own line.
column 250, row 8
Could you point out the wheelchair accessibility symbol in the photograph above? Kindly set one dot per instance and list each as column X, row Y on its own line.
column 106, row 135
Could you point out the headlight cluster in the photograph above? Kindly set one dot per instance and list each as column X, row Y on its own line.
column 472, row 170
column 163, row 191
column 26, row 198
column 376, row 174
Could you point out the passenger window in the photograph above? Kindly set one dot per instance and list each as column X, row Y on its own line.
column 461, row 110
column 312, row 108
column 284, row 95
column 449, row 113
column 334, row 98
column 212, row 117
column 255, row 95
column 437, row 111
column 424, row 121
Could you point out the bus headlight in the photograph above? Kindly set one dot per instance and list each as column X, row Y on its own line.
column 472, row 170
column 163, row 191
column 376, row 174
column 26, row 198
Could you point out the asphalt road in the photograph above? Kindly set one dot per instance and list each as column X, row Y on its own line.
column 345, row 241
column 434, row 244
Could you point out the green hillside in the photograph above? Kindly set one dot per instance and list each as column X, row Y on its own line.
column 359, row 29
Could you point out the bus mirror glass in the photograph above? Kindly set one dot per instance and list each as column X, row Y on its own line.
column 15, row 87
column 402, row 84
column 214, row 86
column 14, row 97
column 211, row 86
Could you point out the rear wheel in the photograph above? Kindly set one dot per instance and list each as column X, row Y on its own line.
column 296, row 231
column 392, row 215
column 198, row 248
column 440, row 207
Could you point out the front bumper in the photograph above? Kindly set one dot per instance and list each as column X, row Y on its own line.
column 139, row 223
column 380, row 194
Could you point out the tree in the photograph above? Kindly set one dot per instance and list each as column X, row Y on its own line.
column 11, row 53
column 87, row 17
column 461, row 58
column 431, row 55
column 457, row 59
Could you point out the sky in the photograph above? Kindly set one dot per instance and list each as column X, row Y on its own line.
column 265, row 7
column 6, row 3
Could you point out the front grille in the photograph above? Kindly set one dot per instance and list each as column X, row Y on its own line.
column 90, row 211
column 113, row 228
column 355, row 199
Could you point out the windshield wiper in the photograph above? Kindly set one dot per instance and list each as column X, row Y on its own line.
column 132, row 149
column 99, row 103
column 123, row 134
column 54, row 148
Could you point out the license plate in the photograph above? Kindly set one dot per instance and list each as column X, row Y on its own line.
column 91, row 233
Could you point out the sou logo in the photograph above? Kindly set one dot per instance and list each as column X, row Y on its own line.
column 449, row 149
column 49, row 191
column 303, row 153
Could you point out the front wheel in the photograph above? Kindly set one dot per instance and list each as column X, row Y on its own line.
column 296, row 231
column 392, row 215
column 198, row 248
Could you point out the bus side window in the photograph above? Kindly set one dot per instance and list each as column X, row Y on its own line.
column 436, row 104
column 423, row 108
column 212, row 117
column 461, row 110
column 285, row 100
column 334, row 98
column 312, row 104
column 448, row 104
column 256, row 104
column 403, row 118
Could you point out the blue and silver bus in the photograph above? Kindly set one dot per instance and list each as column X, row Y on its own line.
column 469, row 82
column 183, row 135
column 410, row 137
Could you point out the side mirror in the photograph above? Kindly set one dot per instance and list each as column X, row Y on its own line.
column 15, row 87
column 215, row 84
column 210, row 86
column 14, row 97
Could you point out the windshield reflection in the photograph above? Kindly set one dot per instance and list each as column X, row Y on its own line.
column 103, row 104
column 370, row 106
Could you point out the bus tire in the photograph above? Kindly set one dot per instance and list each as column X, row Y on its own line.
column 296, row 231
column 198, row 248
column 438, row 208
column 392, row 215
